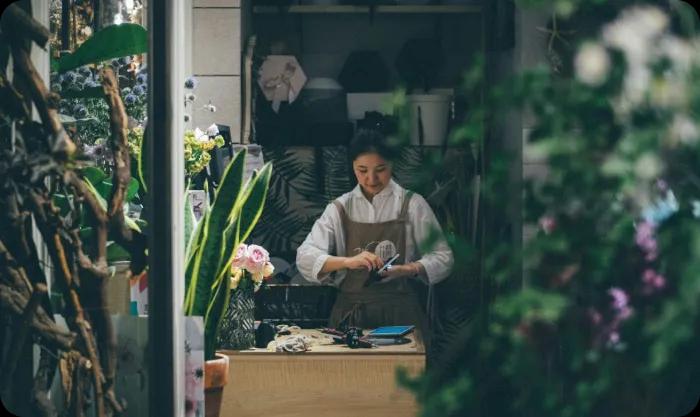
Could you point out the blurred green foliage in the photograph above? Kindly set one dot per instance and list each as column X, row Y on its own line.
column 607, row 320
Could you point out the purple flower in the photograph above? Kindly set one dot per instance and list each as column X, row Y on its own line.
column 620, row 298
column 85, row 71
column 645, row 239
column 548, row 224
column 191, row 83
column 70, row 77
column 125, row 60
column 141, row 78
column 130, row 99
column 653, row 281
column 139, row 90
column 661, row 185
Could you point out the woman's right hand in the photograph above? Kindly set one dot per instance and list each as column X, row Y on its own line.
column 364, row 260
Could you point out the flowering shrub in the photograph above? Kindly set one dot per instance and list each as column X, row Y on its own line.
column 608, row 314
column 91, row 114
column 198, row 144
column 252, row 262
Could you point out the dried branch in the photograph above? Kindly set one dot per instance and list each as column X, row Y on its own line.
column 19, row 338
column 16, row 20
column 61, row 144
column 41, row 403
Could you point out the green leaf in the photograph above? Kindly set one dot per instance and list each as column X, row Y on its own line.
column 210, row 253
column 65, row 119
column 105, row 189
column 93, row 174
column 253, row 202
column 116, row 253
column 143, row 175
column 212, row 320
column 111, row 42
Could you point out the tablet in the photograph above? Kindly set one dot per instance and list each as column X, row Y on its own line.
column 391, row 331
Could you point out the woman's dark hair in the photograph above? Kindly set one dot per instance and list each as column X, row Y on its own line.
column 369, row 141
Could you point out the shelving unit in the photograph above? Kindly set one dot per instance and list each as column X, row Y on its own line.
column 398, row 9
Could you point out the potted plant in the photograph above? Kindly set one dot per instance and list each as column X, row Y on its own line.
column 212, row 247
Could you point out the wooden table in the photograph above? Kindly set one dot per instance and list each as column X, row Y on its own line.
column 327, row 381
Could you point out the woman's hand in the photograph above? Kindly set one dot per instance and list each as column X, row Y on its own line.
column 364, row 260
column 401, row 271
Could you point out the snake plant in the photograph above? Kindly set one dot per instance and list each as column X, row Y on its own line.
column 236, row 209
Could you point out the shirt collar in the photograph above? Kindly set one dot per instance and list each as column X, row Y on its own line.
column 391, row 188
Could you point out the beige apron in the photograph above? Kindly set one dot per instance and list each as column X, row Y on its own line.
column 379, row 304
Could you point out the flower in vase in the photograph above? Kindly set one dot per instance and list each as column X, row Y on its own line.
column 236, row 275
column 257, row 258
column 254, row 260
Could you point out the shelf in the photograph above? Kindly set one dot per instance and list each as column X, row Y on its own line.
column 406, row 9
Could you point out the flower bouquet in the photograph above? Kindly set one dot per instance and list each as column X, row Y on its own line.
column 249, row 268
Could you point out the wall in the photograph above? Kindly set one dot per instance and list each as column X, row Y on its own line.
column 322, row 42
column 216, row 63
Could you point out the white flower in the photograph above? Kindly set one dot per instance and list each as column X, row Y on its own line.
column 213, row 130
column 190, row 97
column 679, row 51
column 634, row 30
column 683, row 130
column 696, row 208
column 592, row 64
column 210, row 107
column 648, row 166
column 200, row 135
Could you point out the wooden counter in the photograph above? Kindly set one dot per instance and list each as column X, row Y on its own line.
column 327, row 381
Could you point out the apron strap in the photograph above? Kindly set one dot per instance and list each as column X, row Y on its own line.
column 404, row 207
column 341, row 211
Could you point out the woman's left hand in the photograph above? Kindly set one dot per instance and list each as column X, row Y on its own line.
column 401, row 271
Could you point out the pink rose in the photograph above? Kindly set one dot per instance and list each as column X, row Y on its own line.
column 257, row 257
column 239, row 260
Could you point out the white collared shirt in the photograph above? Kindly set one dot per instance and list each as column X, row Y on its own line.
column 327, row 236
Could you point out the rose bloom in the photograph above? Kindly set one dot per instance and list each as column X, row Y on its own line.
column 257, row 257
column 239, row 260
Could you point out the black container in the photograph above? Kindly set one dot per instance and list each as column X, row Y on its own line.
column 308, row 306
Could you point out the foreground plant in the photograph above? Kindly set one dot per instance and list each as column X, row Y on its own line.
column 37, row 162
column 609, row 312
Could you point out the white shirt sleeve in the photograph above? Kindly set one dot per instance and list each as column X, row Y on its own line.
column 319, row 245
column 438, row 260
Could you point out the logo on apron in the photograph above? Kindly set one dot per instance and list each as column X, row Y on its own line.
column 385, row 250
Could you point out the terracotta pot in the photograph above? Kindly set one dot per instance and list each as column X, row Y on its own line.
column 215, row 378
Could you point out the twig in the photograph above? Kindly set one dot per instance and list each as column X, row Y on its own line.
column 15, row 20
column 61, row 144
column 20, row 335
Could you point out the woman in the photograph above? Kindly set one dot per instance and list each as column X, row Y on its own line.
column 358, row 232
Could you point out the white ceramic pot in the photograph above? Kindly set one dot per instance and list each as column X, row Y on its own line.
column 431, row 112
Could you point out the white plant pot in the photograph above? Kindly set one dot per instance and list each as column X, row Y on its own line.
column 359, row 103
column 432, row 111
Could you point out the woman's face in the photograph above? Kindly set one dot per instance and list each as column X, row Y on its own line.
column 373, row 172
